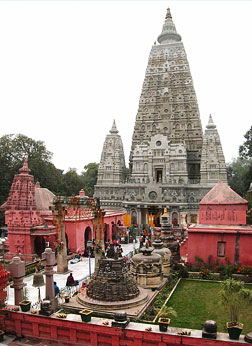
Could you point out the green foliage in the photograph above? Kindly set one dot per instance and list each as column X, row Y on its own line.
column 197, row 301
column 71, row 183
column 205, row 274
column 245, row 150
column 234, row 296
column 13, row 150
column 89, row 177
column 154, row 308
column 181, row 271
column 167, row 311
column 239, row 173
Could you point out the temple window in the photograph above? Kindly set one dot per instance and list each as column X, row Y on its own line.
column 221, row 246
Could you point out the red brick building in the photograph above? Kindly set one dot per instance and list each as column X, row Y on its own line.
column 222, row 234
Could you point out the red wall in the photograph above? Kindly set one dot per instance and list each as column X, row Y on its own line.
column 223, row 214
column 203, row 243
column 47, row 328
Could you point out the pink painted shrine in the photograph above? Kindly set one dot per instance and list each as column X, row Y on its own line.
column 222, row 234
column 30, row 221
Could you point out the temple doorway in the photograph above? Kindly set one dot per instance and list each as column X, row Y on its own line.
column 106, row 235
column 175, row 219
column 88, row 236
column 159, row 175
column 155, row 213
column 39, row 245
column 114, row 232
column 133, row 218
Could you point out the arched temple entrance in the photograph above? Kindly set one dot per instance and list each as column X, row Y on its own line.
column 175, row 220
column 88, row 236
column 39, row 245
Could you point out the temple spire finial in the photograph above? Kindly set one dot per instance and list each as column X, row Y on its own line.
column 168, row 14
column 211, row 124
column 169, row 33
column 25, row 169
column 114, row 129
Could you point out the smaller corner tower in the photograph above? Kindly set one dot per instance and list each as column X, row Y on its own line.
column 213, row 166
column 112, row 168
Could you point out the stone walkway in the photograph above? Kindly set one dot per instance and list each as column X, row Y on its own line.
column 79, row 271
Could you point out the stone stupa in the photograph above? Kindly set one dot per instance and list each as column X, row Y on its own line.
column 111, row 280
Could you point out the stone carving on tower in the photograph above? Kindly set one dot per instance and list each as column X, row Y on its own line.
column 112, row 165
column 213, row 165
column 170, row 165
column 168, row 103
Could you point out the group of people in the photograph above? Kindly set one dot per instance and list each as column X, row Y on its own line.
column 145, row 237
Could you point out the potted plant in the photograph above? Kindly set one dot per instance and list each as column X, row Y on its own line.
column 164, row 319
column 25, row 304
column 86, row 315
column 233, row 297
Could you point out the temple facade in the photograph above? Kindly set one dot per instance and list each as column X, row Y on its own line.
column 172, row 164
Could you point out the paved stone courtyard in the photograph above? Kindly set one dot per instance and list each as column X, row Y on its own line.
column 79, row 270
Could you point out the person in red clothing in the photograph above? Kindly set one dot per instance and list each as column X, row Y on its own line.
column 70, row 280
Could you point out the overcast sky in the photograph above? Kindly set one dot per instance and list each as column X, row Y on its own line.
column 67, row 69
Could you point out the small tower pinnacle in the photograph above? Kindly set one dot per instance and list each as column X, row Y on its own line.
column 25, row 169
column 169, row 33
column 114, row 129
column 211, row 124
column 168, row 14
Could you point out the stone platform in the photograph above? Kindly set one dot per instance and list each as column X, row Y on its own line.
column 133, row 307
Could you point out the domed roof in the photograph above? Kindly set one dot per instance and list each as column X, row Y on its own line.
column 43, row 198
column 146, row 256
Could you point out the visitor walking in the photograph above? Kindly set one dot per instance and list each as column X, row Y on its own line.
column 56, row 289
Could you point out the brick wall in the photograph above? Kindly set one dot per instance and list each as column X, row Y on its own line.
column 80, row 333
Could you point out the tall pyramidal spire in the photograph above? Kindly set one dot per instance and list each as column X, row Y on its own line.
column 170, row 164
column 168, row 103
column 112, row 164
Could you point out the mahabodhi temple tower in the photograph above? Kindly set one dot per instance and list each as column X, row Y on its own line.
column 172, row 164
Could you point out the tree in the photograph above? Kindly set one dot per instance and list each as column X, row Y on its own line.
column 13, row 150
column 239, row 173
column 245, row 150
column 71, row 183
column 89, row 177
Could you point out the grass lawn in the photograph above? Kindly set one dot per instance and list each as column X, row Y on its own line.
column 198, row 301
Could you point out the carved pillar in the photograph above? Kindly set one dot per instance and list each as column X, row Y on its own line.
column 49, row 256
column 17, row 270
column 183, row 219
column 59, row 212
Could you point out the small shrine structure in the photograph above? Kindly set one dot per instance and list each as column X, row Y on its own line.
column 146, row 268
column 27, row 232
column 32, row 226
column 222, row 234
